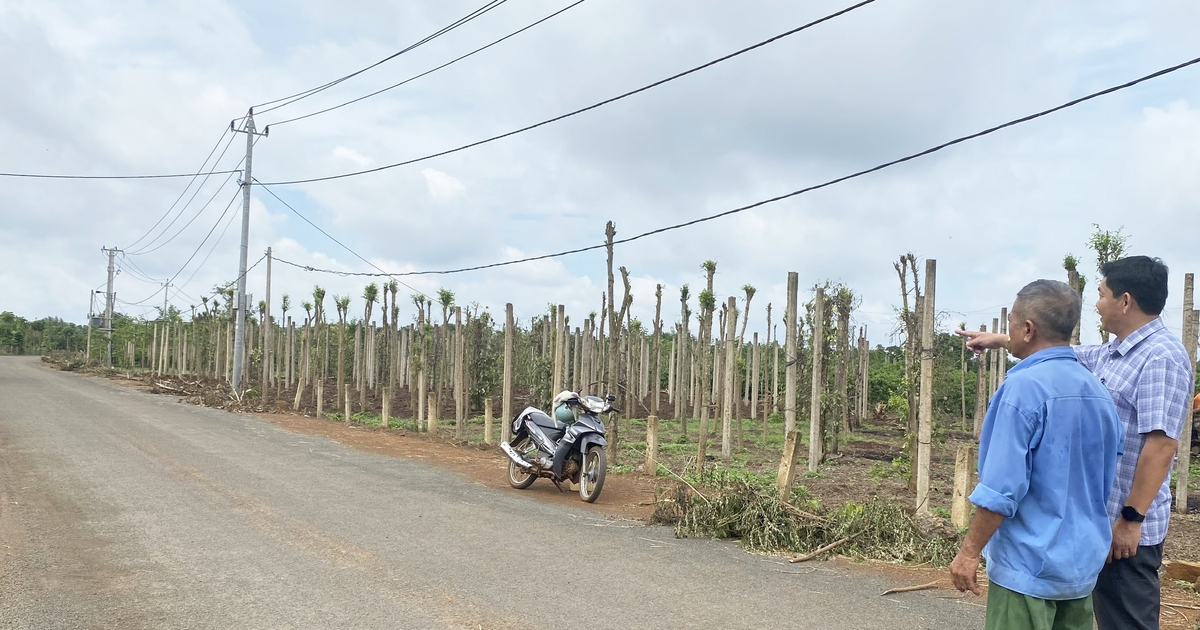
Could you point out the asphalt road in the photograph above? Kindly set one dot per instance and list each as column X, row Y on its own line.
column 120, row 509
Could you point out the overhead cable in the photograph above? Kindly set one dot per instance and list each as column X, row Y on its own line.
column 199, row 172
column 287, row 100
column 150, row 247
column 330, row 237
column 198, row 247
column 607, row 101
column 711, row 217
column 430, row 71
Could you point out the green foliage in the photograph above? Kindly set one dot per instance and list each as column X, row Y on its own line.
column 49, row 334
column 878, row 529
column 1108, row 245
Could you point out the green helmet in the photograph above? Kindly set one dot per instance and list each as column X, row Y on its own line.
column 563, row 414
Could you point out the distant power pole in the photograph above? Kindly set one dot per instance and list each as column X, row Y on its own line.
column 239, row 337
column 109, row 299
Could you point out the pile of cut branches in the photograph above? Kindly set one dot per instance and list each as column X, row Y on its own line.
column 879, row 529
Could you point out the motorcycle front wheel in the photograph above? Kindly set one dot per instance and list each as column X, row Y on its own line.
column 591, row 477
column 518, row 477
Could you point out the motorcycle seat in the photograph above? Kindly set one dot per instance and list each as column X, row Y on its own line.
column 545, row 421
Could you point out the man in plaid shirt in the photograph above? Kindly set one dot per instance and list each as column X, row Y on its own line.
column 1147, row 371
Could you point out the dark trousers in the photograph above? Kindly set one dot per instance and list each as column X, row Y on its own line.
column 1127, row 592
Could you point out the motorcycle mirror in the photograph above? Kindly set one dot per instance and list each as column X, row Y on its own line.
column 610, row 398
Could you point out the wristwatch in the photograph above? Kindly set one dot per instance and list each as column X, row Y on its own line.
column 1131, row 514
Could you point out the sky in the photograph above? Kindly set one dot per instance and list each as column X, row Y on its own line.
column 132, row 88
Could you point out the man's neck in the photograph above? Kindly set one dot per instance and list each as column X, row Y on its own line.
column 1130, row 327
column 1043, row 345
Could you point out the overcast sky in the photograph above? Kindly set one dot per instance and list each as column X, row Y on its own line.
column 119, row 88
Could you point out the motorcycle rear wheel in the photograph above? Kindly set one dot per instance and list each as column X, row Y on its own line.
column 518, row 477
column 591, row 475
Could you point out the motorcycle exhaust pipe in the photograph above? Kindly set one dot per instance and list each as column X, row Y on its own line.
column 515, row 457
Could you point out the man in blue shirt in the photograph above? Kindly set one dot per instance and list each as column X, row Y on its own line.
column 1047, row 459
column 1149, row 374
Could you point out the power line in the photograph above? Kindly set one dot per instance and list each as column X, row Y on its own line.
column 826, row 184
column 198, row 247
column 330, row 237
column 145, row 249
column 431, row 71
column 589, row 107
column 149, row 247
column 288, row 100
column 173, row 175
column 189, row 185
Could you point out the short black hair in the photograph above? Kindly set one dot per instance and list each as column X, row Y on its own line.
column 1053, row 305
column 1143, row 277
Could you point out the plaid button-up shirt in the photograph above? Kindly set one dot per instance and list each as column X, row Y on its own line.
column 1150, row 378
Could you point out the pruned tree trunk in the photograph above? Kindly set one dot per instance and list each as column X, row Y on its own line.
column 925, row 431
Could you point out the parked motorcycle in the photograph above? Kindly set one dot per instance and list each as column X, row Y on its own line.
column 567, row 447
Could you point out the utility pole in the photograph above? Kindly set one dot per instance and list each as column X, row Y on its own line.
column 267, row 332
column 239, row 336
column 166, row 290
column 109, row 299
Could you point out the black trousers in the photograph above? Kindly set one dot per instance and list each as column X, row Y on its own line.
column 1127, row 592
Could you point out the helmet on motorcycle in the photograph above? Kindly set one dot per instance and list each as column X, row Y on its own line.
column 564, row 414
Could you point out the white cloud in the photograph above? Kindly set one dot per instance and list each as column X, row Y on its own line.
column 443, row 188
column 106, row 89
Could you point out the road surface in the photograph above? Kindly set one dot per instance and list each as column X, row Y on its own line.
column 120, row 509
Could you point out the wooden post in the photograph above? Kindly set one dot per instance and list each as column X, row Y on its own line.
column 787, row 466
column 153, row 348
column 432, row 410
column 925, row 414
column 994, row 364
column 422, row 409
column 791, row 444
column 728, row 386
column 1003, row 360
column 349, row 411
column 487, row 420
column 981, row 397
column 556, row 380
column 755, row 368
column 964, row 466
column 321, row 399
column 385, row 411
column 651, row 467
column 460, row 394
column 506, row 405
column 1184, row 456
column 816, row 433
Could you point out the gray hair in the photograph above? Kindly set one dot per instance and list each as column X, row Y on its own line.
column 1053, row 305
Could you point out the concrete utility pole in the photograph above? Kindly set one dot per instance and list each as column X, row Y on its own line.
column 109, row 299
column 267, row 331
column 239, row 336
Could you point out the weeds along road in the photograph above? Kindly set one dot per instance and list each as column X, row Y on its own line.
column 120, row 509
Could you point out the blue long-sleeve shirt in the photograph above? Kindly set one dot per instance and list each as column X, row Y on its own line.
column 1047, row 458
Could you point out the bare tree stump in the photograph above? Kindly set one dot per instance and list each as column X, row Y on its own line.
column 651, row 446
column 487, row 420
column 787, row 465
column 386, row 407
column 432, row 410
column 960, row 506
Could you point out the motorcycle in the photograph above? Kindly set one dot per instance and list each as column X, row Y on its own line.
column 544, row 446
